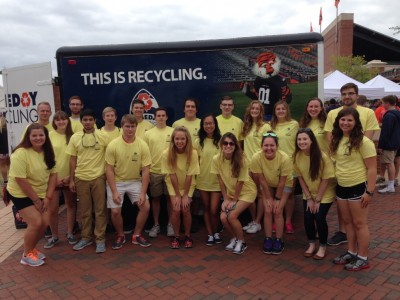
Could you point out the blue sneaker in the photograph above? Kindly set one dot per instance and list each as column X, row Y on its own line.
column 100, row 247
column 31, row 260
column 268, row 245
column 278, row 246
column 82, row 244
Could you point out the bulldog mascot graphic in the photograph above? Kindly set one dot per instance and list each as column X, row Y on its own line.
column 268, row 87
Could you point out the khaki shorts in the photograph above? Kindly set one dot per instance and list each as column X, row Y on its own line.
column 387, row 156
column 157, row 185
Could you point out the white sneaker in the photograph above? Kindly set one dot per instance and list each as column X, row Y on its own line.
column 254, row 228
column 154, row 231
column 386, row 190
column 231, row 245
column 248, row 226
column 170, row 230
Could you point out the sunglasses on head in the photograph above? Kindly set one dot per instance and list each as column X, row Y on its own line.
column 270, row 134
column 225, row 143
column 304, row 130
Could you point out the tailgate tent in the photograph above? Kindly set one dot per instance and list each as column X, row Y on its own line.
column 335, row 80
column 389, row 86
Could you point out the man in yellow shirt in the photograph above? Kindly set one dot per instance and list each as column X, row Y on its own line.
column 138, row 112
column 190, row 121
column 87, row 178
column 349, row 93
column 44, row 114
column 227, row 122
column 75, row 106
column 128, row 172
column 158, row 139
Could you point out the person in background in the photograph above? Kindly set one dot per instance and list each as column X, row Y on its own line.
column 31, row 185
column 362, row 100
column 349, row 95
column 274, row 172
column 253, row 129
column 128, row 163
column 316, row 176
column 190, row 120
column 237, row 188
column 332, row 105
column 227, row 122
column 355, row 170
column 286, row 128
column 180, row 163
column 110, row 116
column 207, row 146
column 59, row 138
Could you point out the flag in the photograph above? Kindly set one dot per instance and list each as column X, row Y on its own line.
column 311, row 29
column 337, row 3
column 320, row 16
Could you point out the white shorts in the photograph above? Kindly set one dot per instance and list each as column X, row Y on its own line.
column 132, row 188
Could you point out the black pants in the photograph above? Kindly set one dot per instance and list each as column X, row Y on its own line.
column 310, row 219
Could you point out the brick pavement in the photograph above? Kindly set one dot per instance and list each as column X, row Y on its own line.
column 212, row 273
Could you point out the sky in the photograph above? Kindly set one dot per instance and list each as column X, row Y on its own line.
column 32, row 31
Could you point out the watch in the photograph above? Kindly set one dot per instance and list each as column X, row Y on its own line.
column 369, row 193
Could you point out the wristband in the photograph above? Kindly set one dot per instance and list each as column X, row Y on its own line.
column 369, row 193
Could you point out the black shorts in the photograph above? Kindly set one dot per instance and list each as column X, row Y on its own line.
column 354, row 192
column 20, row 203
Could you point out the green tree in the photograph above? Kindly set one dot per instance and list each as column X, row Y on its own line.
column 354, row 67
column 396, row 29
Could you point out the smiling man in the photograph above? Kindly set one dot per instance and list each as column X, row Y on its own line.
column 227, row 122
column 190, row 121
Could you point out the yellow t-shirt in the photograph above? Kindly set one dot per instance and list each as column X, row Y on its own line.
column 223, row 168
column 29, row 164
column 286, row 132
column 76, row 124
column 89, row 148
column 158, row 139
column 350, row 168
column 367, row 118
column 127, row 159
column 318, row 129
column 112, row 134
column 273, row 169
column 59, row 142
column 183, row 169
column 252, row 141
column 302, row 168
column 48, row 126
column 206, row 181
column 192, row 126
column 142, row 127
column 232, row 124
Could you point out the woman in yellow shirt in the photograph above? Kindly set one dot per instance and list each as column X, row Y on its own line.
column 207, row 145
column 253, row 129
column 59, row 138
column 180, row 163
column 238, row 189
column 316, row 174
column 355, row 169
column 286, row 128
column 31, row 185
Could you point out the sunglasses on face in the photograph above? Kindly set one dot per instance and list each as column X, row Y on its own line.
column 225, row 143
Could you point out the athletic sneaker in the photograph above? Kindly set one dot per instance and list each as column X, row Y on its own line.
column 380, row 179
column 289, row 228
column 239, row 247
column 154, row 231
column 344, row 259
column 71, row 239
column 337, row 239
column 100, row 247
column 248, row 226
column 231, row 245
column 170, row 230
column 188, row 242
column 51, row 243
column 268, row 245
column 119, row 241
column 31, row 260
column 387, row 190
column 217, row 238
column 210, row 240
column 82, row 244
column 39, row 254
column 278, row 246
column 139, row 240
column 357, row 264
column 254, row 228
column 175, row 244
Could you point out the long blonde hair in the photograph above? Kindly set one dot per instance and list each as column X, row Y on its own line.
column 248, row 119
column 172, row 151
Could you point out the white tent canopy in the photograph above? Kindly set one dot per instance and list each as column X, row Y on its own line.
column 389, row 86
column 337, row 79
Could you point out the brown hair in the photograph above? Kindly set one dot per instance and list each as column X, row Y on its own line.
column 61, row 115
column 248, row 119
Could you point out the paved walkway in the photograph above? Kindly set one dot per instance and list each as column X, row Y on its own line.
column 206, row 272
